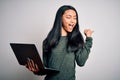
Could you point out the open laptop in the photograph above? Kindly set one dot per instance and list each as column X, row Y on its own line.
column 25, row 51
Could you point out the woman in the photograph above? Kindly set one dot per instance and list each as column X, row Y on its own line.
column 64, row 46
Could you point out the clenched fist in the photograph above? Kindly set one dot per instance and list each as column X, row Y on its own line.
column 88, row 32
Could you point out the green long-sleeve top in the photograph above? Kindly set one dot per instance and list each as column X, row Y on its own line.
column 65, row 62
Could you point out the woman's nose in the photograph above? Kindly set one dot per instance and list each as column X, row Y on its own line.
column 72, row 20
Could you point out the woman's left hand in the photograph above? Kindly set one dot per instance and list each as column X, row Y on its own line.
column 32, row 66
column 88, row 32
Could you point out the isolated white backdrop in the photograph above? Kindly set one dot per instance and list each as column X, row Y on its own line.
column 29, row 21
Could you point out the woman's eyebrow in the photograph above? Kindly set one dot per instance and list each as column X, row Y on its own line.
column 71, row 15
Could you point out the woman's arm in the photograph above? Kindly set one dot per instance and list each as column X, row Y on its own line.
column 82, row 54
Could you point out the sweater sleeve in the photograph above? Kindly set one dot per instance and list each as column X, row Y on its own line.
column 45, row 59
column 82, row 54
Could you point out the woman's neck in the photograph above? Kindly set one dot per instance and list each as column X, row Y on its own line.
column 63, row 32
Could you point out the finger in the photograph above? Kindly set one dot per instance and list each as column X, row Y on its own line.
column 32, row 63
column 86, row 30
column 29, row 64
column 89, row 31
column 36, row 67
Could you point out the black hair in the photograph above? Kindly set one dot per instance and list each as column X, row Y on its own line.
column 75, row 38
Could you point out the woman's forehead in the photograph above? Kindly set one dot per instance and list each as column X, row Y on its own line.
column 70, row 12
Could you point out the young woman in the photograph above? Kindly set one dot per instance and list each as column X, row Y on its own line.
column 64, row 46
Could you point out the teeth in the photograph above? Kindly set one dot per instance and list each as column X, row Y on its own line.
column 71, row 26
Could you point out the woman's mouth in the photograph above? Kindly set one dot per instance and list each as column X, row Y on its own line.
column 71, row 26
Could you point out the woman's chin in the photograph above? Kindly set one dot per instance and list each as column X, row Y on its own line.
column 69, row 31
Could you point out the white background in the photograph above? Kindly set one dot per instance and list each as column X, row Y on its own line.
column 29, row 21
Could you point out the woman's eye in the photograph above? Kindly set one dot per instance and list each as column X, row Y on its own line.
column 68, row 17
column 75, row 17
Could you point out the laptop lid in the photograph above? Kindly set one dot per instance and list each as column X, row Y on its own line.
column 25, row 51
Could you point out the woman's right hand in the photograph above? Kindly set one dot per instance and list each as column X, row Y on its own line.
column 88, row 32
column 32, row 66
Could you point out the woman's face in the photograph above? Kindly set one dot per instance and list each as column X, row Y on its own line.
column 69, row 20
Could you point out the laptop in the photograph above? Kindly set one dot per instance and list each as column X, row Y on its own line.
column 24, row 51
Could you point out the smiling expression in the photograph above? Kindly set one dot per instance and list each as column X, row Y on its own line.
column 69, row 20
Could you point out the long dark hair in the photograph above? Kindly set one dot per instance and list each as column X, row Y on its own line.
column 75, row 38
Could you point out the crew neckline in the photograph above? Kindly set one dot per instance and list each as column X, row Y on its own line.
column 63, row 36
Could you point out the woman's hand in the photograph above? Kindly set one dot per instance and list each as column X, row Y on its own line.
column 32, row 66
column 88, row 32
